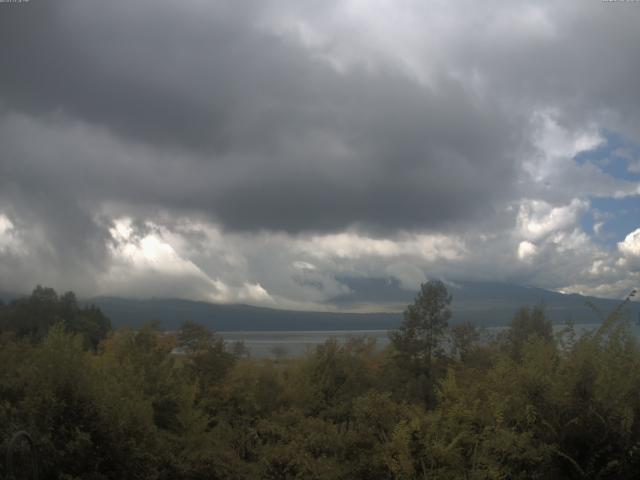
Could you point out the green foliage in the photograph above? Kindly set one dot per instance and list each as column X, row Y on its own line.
column 418, row 339
column 465, row 339
column 425, row 322
column 207, row 360
column 33, row 316
column 147, row 404
column 527, row 323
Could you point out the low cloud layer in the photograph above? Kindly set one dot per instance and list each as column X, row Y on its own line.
column 260, row 151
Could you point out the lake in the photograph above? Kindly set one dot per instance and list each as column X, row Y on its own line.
column 295, row 343
column 263, row 344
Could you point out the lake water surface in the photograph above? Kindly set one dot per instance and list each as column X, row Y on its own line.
column 294, row 343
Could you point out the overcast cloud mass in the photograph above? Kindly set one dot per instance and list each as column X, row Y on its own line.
column 260, row 151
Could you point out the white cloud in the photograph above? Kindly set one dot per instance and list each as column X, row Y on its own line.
column 618, row 288
column 304, row 266
column 631, row 244
column 199, row 260
column 630, row 250
column 558, row 143
column 8, row 240
column 353, row 246
column 149, row 265
column 537, row 218
column 254, row 293
column 527, row 250
column 301, row 271
column 550, row 171
column 597, row 227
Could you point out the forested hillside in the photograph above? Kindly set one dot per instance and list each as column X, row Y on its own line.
column 526, row 404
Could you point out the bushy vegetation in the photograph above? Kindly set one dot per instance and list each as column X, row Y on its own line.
column 123, row 405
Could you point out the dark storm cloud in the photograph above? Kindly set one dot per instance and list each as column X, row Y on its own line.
column 274, row 137
column 577, row 57
column 143, row 69
column 58, row 242
column 215, row 126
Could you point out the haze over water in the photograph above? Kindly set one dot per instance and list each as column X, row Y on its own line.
column 292, row 343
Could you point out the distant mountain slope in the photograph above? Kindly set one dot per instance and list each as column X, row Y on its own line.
column 172, row 312
column 483, row 303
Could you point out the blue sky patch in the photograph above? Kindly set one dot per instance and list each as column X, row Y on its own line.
column 613, row 157
column 610, row 220
column 618, row 218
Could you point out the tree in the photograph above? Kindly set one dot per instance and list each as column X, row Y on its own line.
column 525, row 324
column 32, row 317
column 194, row 338
column 464, row 340
column 425, row 322
column 207, row 357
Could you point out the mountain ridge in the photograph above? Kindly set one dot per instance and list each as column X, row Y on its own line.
column 483, row 303
column 487, row 304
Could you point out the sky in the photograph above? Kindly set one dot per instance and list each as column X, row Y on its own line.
column 265, row 152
